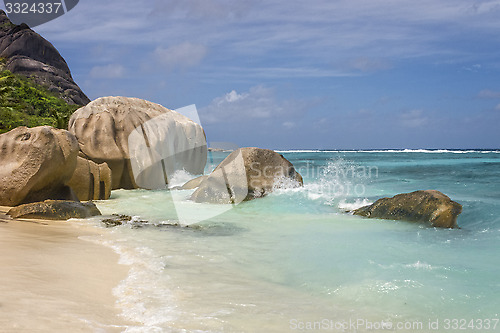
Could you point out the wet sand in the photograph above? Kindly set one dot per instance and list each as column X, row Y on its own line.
column 52, row 281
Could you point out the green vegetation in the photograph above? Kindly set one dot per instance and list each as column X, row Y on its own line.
column 7, row 25
column 24, row 103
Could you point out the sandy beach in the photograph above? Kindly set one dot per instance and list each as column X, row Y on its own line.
column 52, row 281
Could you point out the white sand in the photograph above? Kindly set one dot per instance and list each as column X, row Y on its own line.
column 51, row 281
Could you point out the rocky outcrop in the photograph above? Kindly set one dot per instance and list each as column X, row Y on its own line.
column 29, row 54
column 420, row 206
column 247, row 173
column 91, row 181
column 35, row 165
column 143, row 143
column 55, row 210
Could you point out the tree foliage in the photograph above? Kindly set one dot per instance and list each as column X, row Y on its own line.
column 24, row 103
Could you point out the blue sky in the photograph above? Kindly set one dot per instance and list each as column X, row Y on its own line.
column 323, row 74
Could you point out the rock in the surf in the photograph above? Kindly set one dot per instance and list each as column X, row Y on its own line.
column 36, row 164
column 91, row 181
column 428, row 206
column 247, row 173
column 143, row 143
column 55, row 210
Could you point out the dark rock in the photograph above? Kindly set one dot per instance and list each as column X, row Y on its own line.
column 55, row 210
column 420, row 206
column 29, row 54
column 119, row 219
column 247, row 173
column 116, row 220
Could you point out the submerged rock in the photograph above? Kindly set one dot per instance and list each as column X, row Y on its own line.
column 420, row 206
column 36, row 164
column 55, row 210
column 135, row 222
column 143, row 143
column 247, row 173
column 118, row 219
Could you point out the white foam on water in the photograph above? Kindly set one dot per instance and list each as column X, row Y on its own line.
column 336, row 180
column 190, row 290
column 350, row 206
column 292, row 255
column 306, row 151
column 420, row 265
column 285, row 183
column 179, row 178
column 432, row 151
column 143, row 296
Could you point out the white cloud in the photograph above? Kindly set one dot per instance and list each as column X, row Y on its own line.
column 182, row 55
column 497, row 107
column 279, row 72
column 366, row 64
column 211, row 9
column 111, row 71
column 486, row 93
column 302, row 39
column 316, row 30
column 413, row 119
column 474, row 68
column 259, row 104
column 232, row 97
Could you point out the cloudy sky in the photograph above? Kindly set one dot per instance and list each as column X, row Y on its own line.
column 327, row 74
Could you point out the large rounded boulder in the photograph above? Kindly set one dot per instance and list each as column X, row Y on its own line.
column 428, row 206
column 247, row 173
column 143, row 143
column 35, row 164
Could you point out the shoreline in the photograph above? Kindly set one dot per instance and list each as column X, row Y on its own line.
column 53, row 280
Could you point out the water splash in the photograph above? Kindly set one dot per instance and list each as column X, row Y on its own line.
column 179, row 178
column 350, row 206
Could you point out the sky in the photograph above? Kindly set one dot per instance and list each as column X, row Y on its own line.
column 320, row 74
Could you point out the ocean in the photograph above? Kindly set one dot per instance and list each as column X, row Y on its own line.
column 295, row 261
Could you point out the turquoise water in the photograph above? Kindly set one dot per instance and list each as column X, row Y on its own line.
column 295, row 261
